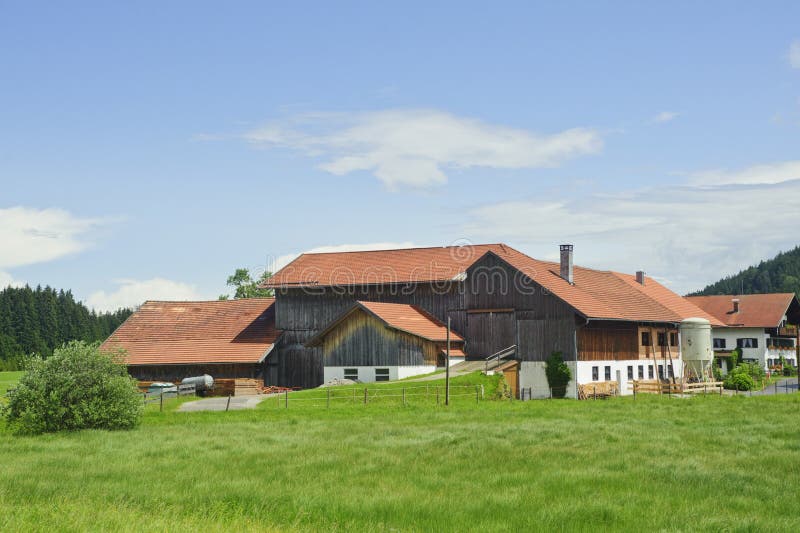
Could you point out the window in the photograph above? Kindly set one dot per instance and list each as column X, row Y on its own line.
column 662, row 339
column 673, row 339
column 719, row 344
column 351, row 373
column 630, row 371
column 649, row 371
column 608, row 373
column 641, row 371
column 595, row 374
column 671, row 371
column 660, row 371
column 381, row 374
column 645, row 338
column 747, row 343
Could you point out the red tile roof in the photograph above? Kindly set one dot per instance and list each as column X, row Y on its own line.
column 173, row 333
column 594, row 294
column 602, row 294
column 402, row 317
column 380, row 266
column 755, row 310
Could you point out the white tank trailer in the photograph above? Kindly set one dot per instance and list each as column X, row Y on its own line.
column 201, row 383
column 696, row 348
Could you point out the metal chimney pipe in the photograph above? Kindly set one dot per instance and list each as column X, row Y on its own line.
column 566, row 263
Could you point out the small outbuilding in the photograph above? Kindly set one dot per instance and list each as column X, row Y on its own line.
column 168, row 341
column 385, row 341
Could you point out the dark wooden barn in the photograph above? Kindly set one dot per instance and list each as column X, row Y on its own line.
column 496, row 297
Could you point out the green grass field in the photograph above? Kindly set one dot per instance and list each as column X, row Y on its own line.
column 7, row 380
column 713, row 463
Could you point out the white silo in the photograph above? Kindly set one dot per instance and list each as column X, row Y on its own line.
column 696, row 348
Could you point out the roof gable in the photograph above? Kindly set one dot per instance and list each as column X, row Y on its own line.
column 401, row 317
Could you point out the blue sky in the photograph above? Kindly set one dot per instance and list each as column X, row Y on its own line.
column 148, row 150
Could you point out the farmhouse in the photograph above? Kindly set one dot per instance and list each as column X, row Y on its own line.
column 168, row 341
column 608, row 326
column 762, row 326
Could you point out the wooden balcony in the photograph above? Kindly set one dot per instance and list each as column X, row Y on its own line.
column 787, row 331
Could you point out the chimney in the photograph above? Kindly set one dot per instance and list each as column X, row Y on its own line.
column 736, row 305
column 640, row 277
column 566, row 262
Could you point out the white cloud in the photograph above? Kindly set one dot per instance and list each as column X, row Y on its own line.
column 665, row 116
column 765, row 174
column 7, row 280
column 689, row 235
column 415, row 148
column 132, row 293
column 283, row 260
column 794, row 54
column 29, row 235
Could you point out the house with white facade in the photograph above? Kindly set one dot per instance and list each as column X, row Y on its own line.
column 762, row 326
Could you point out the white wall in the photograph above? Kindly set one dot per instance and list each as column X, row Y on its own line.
column 531, row 374
column 366, row 374
column 731, row 334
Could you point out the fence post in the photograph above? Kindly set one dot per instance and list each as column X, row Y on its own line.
column 286, row 398
column 437, row 395
column 477, row 394
column 551, row 393
column 161, row 405
column 329, row 397
column 144, row 398
column 404, row 396
column 594, row 388
column 228, row 405
column 365, row 396
column 634, row 390
column 354, row 394
column 482, row 392
column 776, row 387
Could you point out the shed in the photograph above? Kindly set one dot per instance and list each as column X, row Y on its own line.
column 384, row 341
column 168, row 341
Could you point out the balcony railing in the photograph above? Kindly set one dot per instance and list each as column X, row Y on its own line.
column 788, row 331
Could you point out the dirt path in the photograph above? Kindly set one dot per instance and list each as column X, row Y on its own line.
column 219, row 403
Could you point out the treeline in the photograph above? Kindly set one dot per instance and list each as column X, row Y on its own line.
column 41, row 319
column 779, row 274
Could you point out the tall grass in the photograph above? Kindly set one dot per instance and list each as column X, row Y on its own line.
column 713, row 463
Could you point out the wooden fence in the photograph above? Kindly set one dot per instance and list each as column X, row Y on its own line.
column 332, row 396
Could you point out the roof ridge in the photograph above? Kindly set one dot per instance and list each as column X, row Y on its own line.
column 407, row 249
column 260, row 298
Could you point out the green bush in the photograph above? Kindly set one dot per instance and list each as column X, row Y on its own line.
column 739, row 379
column 558, row 374
column 789, row 370
column 76, row 388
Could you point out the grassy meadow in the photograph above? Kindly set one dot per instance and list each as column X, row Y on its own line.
column 7, row 380
column 707, row 463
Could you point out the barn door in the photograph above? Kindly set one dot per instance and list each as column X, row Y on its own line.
column 489, row 332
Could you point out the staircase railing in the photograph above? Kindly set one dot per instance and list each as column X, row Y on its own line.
column 502, row 354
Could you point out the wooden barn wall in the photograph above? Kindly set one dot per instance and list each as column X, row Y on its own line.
column 315, row 308
column 178, row 372
column 600, row 341
column 362, row 340
column 504, row 307
column 292, row 364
